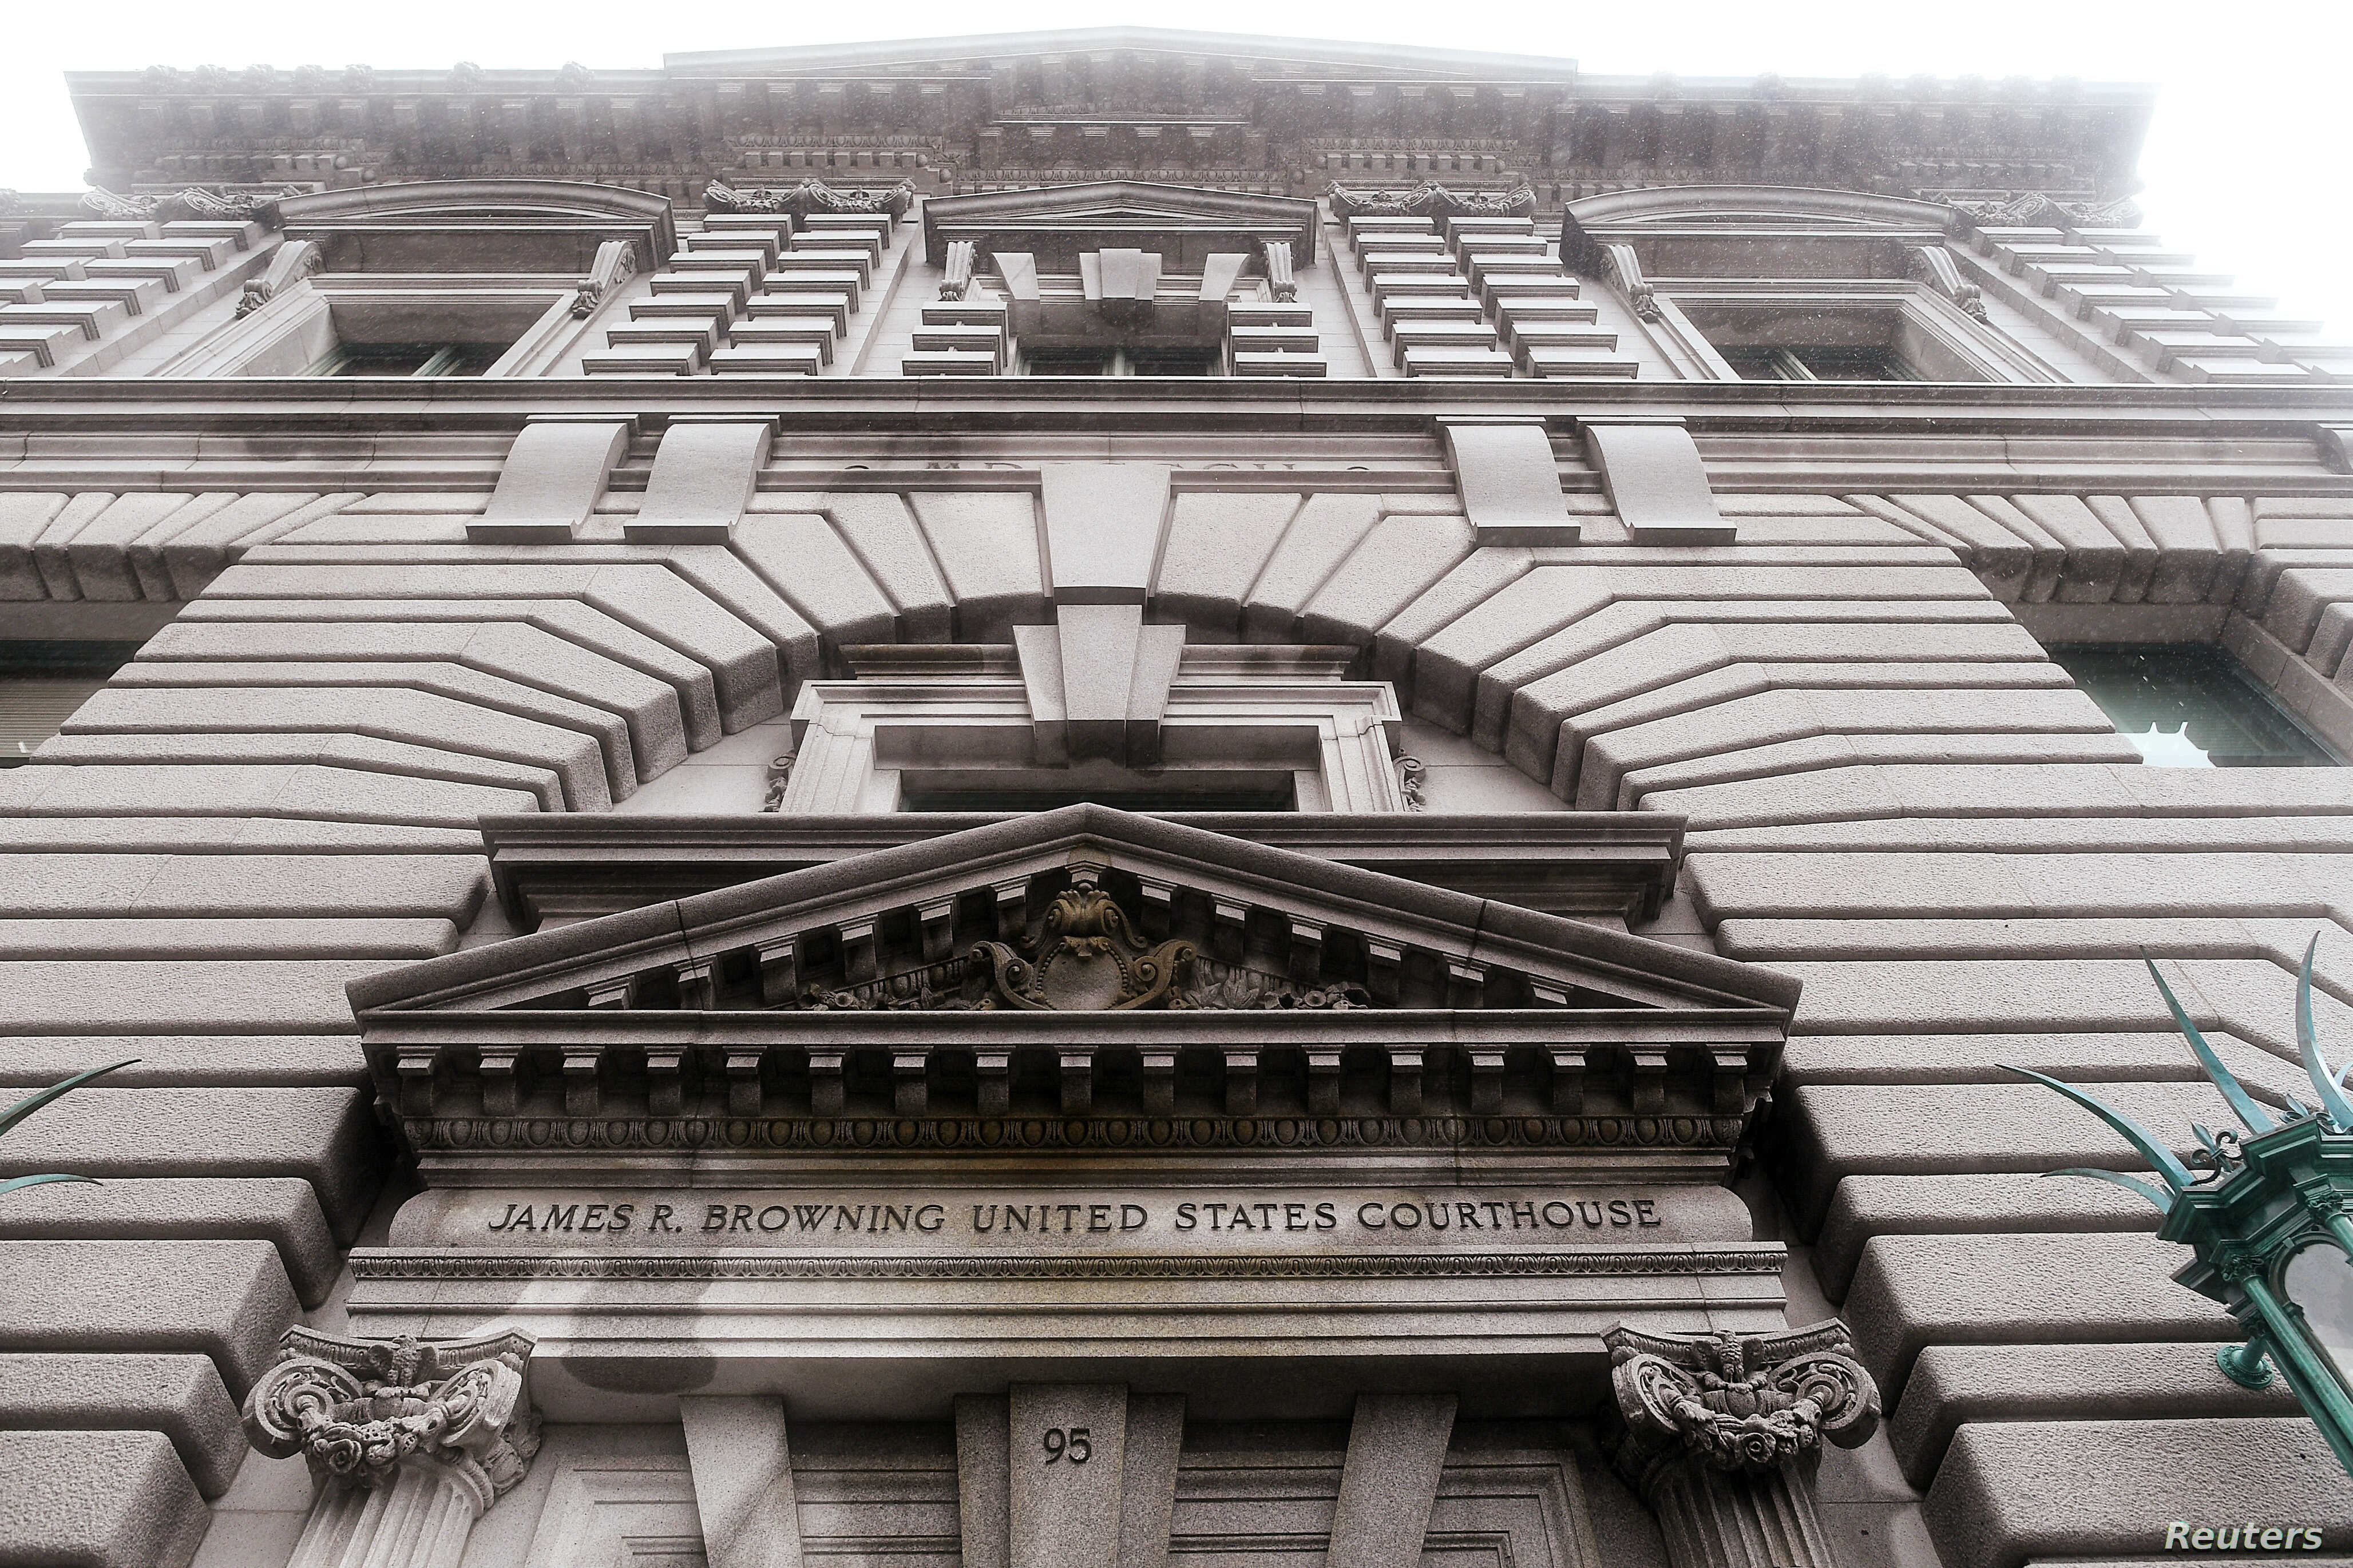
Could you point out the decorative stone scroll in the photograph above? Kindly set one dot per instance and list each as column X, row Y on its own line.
column 615, row 264
column 1933, row 265
column 1722, row 1433
column 296, row 259
column 216, row 205
column 809, row 196
column 2032, row 209
column 1432, row 200
column 408, row 1440
column 1281, row 280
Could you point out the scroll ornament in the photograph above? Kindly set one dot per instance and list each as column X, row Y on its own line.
column 1429, row 199
column 360, row 1411
column 809, row 196
column 1738, row 1402
column 195, row 202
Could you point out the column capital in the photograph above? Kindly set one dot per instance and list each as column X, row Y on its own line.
column 1721, row 1431
column 1739, row 1402
column 360, row 1412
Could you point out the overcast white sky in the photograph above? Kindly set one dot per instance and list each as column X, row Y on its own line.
column 2246, row 164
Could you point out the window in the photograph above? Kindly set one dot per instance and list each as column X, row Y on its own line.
column 1821, row 334
column 408, row 359
column 1814, row 363
column 2190, row 705
column 1120, row 360
column 1218, row 796
column 41, row 684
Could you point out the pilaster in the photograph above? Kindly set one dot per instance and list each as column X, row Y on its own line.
column 1722, row 1433
column 409, row 1441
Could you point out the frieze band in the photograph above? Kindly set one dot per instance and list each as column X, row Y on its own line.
column 1139, row 1133
column 1668, row 1260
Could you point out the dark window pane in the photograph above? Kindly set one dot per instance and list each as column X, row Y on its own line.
column 2189, row 705
column 1173, row 362
column 1067, row 361
column 1855, row 365
column 1774, row 363
column 410, row 359
column 1124, row 800
column 1762, row 363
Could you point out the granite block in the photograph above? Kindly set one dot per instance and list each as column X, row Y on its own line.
column 1953, row 1385
column 2012, row 1491
column 1913, row 1292
column 181, row 1396
column 97, row 1499
column 228, row 1300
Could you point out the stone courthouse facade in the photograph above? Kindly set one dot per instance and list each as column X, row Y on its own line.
column 1140, row 800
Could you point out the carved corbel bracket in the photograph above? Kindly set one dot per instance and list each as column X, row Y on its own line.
column 1280, row 279
column 957, row 267
column 1933, row 265
column 615, row 264
column 1626, row 271
column 362, row 1411
column 295, row 260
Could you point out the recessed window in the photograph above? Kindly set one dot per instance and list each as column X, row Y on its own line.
column 41, row 684
column 1826, row 335
column 408, row 359
column 1279, row 798
column 2190, row 705
column 1815, row 362
column 1119, row 360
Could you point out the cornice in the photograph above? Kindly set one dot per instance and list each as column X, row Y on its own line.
column 1013, row 405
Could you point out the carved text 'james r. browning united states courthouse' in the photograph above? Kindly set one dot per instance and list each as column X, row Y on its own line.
column 1136, row 800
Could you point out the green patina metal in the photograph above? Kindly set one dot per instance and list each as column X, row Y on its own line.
column 2247, row 1202
column 30, row 1103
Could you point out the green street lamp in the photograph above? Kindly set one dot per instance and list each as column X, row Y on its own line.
column 2265, row 1212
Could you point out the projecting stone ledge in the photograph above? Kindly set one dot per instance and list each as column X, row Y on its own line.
column 106, row 1499
column 2010, row 1491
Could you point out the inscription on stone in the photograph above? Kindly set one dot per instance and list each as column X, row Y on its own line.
column 1187, row 1220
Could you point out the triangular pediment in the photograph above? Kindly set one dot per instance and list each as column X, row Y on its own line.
column 1059, row 220
column 1127, row 975
column 882, row 929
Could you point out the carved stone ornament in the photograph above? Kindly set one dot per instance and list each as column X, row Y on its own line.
column 1412, row 774
column 1087, row 959
column 2034, row 210
column 195, row 202
column 361, row 1412
column 809, row 196
column 780, row 779
column 1429, row 199
column 1722, row 1432
column 1739, row 1402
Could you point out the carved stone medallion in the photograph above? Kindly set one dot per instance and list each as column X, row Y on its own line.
column 1087, row 959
